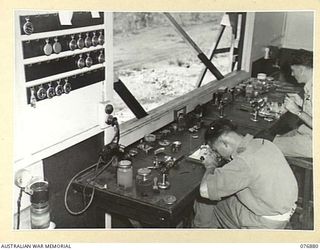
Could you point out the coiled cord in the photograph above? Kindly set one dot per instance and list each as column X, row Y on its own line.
column 88, row 182
column 116, row 138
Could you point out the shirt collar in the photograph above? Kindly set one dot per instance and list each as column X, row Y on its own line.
column 308, row 87
column 243, row 145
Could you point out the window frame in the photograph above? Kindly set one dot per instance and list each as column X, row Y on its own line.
column 239, row 20
column 134, row 129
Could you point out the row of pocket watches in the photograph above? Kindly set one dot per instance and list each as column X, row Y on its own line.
column 81, row 62
column 80, row 43
column 40, row 92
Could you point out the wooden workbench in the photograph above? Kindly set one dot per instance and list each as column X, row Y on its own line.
column 184, row 178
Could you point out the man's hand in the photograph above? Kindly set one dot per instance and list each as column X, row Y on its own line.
column 296, row 98
column 209, row 158
column 291, row 106
column 204, row 184
column 204, row 189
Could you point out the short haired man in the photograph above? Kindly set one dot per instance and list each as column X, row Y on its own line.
column 255, row 189
column 298, row 142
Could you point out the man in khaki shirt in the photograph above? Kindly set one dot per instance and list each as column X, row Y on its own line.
column 255, row 189
column 298, row 142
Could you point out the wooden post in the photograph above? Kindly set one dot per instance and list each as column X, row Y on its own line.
column 195, row 47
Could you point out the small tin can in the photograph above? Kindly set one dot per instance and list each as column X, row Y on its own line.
column 124, row 174
column 144, row 182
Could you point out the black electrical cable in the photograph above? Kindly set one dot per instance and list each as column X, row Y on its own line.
column 115, row 138
column 19, row 207
column 102, row 169
column 98, row 164
column 117, row 135
column 92, row 193
column 96, row 175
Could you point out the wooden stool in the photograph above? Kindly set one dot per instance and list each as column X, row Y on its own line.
column 305, row 206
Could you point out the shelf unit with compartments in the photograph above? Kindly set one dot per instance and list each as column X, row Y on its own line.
column 62, row 73
column 59, row 58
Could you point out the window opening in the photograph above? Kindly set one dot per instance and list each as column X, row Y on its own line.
column 189, row 41
column 156, row 64
column 214, row 51
column 237, row 23
column 129, row 99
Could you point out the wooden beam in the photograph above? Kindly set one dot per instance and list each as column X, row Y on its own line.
column 195, row 47
column 129, row 99
column 213, row 52
column 241, row 39
column 246, row 48
column 183, row 34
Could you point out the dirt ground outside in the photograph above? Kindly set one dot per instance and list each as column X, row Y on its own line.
column 157, row 66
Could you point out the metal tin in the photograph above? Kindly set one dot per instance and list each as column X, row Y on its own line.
column 144, row 182
column 164, row 143
column 169, row 199
column 150, row 138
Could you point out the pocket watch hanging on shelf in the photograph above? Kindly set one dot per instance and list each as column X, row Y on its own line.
column 80, row 42
column 33, row 99
column 101, row 57
column 41, row 93
column 66, row 87
column 94, row 39
column 89, row 60
column 59, row 88
column 56, row 46
column 28, row 27
column 101, row 38
column 80, row 62
column 87, row 40
column 47, row 49
column 50, row 91
column 72, row 43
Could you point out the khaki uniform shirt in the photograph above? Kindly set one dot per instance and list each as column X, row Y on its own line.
column 260, row 177
column 307, row 107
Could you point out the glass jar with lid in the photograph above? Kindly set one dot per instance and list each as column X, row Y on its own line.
column 144, row 182
column 124, row 174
